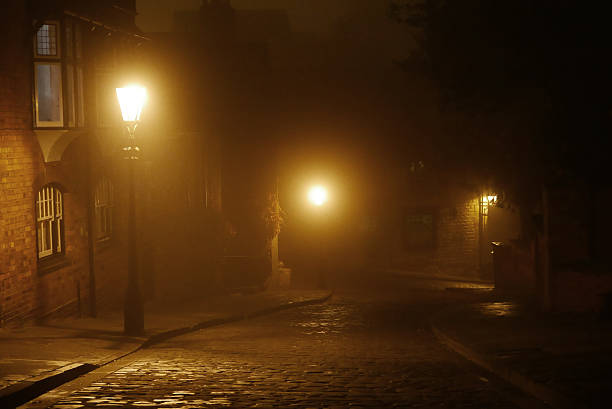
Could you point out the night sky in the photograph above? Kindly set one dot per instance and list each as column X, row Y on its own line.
column 316, row 16
column 367, row 20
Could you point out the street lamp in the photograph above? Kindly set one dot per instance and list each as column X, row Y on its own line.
column 131, row 100
column 317, row 195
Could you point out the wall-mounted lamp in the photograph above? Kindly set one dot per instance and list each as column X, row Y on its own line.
column 485, row 201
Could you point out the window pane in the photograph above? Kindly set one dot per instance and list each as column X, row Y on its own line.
column 58, row 236
column 68, row 39
column 50, row 229
column 78, row 41
column 46, row 40
column 104, row 207
column 80, row 98
column 48, row 92
column 70, row 94
column 41, row 234
column 106, row 98
column 44, row 239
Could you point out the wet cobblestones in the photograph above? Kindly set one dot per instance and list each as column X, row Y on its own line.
column 327, row 355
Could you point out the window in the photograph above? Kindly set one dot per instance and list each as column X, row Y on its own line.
column 50, row 221
column 73, row 61
column 106, row 100
column 48, row 76
column 103, row 198
column 48, row 94
column 47, row 44
column 419, row 229
column 58, row 75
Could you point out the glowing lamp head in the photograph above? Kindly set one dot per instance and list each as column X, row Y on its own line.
column 131, row 100
column 317, row 195
column 489, row 199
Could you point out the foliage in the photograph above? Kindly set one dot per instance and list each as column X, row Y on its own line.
column 272, row 216
column 524, row 86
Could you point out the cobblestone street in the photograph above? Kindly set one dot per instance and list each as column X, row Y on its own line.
column 356, row 350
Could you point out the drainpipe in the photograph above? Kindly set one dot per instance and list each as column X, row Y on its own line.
column 546, row 279
column 93, row 312
column 481, row 230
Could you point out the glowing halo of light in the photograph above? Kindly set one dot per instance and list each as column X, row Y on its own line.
column 317, row 195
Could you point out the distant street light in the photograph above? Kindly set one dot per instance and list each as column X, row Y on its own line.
column 317, row 195
column 131, row 100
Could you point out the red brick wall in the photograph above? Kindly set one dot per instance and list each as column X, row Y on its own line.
column 57, row 289
column 18, row 163
column 457, row 232
column 17, row 232
column 456, row 236
column 25, row 292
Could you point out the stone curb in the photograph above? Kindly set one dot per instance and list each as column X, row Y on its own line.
column 163, row 336
column 24, row 391
column 539, row 391
column 438, row 277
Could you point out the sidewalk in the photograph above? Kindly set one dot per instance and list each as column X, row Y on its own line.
column 564, row 360
column 35, row 359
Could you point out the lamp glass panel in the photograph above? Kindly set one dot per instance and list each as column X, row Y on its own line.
column 131, row 100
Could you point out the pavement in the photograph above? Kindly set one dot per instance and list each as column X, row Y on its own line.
column 35, row 359
column 563, row 359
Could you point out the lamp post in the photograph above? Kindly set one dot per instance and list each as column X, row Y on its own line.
column 131, row 100
column 317, row 196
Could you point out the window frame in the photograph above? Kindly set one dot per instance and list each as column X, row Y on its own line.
column 73, row 58
column 69, row 58
column 104, row 210
column 55, row 231
column 39, row 122
column 58, row 41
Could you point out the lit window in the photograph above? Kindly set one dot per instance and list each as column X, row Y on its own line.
column 104, row 209
column 48, row 94
column 47, row 44
column 59, row 103
column 50, row 221
column 487, row 201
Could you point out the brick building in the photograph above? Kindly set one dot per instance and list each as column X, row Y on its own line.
column 436, row 228
column 423, row 220
column 62, row 198
column 564, row 264
column 214, row 139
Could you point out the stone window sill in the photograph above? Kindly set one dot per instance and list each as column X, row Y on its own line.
column 52, row 263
